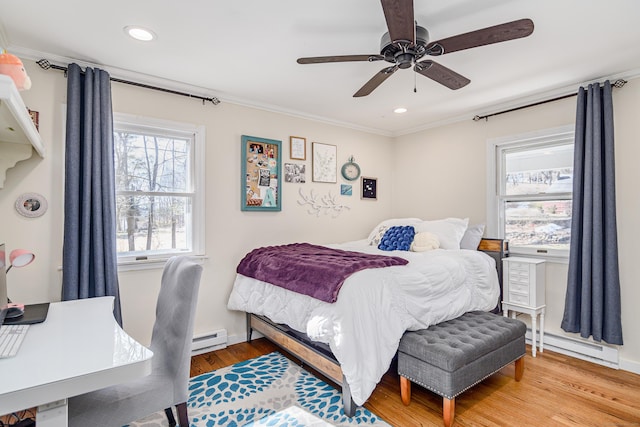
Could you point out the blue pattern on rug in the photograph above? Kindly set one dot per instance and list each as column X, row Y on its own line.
column 242, row 380
column 262, row 392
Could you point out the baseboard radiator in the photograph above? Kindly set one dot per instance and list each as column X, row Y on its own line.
column 209, row 341
column 580, row 349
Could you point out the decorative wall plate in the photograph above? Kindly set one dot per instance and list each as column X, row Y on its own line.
column 31, row 205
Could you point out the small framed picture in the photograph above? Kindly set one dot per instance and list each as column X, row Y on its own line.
column 294, row 172
column 325, row 166
column 35, row 117
column 369, row 188
column 297, row 148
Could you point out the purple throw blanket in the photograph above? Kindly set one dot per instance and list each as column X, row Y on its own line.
column 308, row 269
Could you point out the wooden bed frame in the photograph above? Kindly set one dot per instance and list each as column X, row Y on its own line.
column 319, row 356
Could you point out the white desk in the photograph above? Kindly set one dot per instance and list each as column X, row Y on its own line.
column 78, row 349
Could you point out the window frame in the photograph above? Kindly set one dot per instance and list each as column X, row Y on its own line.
column 135, row 123
column 496, row 197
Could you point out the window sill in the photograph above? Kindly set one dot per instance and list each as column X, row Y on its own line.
column 556, row 259
column 153, row 264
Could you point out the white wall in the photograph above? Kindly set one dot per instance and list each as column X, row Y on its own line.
column 230, row 233
column 442, row 172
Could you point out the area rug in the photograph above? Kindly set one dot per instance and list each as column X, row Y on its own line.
column 268, row 390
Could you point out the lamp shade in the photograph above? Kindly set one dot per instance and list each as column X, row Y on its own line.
column 21, row 257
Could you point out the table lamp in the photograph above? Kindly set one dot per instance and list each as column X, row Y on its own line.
column 18, row 258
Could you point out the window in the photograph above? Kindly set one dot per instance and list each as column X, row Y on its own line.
column 159, row 188
column 530, row 194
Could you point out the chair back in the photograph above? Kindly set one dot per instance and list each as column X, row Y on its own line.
column 173, row 329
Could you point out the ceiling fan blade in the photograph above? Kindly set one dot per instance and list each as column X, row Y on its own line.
column 340, row 58
column 441, row 74
column 375, row 81
column 400, row 20
column 496, row 34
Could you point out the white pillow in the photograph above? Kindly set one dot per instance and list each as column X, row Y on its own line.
column 378, row 230
column 472, row 237
column 449, row 231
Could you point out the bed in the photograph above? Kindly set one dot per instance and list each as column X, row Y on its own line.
column 353, row 340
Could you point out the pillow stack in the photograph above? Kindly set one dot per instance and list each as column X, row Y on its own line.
column 448, row 233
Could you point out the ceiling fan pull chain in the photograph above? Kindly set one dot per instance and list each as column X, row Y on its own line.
column 415, row 83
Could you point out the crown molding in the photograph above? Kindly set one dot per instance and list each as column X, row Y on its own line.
column 147, row 79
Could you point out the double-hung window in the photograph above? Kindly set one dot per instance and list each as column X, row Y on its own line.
column 159, row 174
column 530, row 191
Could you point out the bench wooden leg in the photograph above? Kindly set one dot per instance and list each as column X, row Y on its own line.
column 405, row 390
column 448, row 411
column 519, row 368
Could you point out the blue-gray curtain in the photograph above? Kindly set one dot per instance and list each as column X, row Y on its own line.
column 89, row 255
column 592, row 305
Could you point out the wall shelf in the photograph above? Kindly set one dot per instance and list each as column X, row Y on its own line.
column 18, row 135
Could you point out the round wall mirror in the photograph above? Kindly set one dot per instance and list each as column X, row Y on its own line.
column 31, row 205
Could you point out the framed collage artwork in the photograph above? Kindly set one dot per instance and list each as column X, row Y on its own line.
column 261, row 174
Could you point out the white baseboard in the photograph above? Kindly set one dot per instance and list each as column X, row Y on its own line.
column 236, row 339
column 630, row 366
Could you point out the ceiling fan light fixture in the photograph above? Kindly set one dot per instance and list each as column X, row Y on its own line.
column 405, row 43
column 400, row 110
column 139, row 33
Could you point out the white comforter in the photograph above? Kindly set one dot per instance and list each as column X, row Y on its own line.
column 376, row 306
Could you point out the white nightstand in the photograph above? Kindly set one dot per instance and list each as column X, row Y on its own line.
column 524, row 291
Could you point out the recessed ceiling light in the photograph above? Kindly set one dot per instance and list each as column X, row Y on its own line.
column 400, row 110
column 139, row 33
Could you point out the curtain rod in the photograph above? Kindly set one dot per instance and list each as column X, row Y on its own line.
column 618, row 83
column 46, row 65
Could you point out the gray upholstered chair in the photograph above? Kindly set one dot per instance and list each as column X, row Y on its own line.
column 167, row 385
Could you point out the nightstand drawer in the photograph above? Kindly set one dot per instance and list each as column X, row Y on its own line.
column 519, row 287
column 522, row 276
column 519, row 266
column 517, row 298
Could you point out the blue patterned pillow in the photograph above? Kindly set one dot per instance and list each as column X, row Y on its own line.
column 397, row 238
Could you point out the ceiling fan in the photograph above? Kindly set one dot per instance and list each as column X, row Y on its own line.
column 406, row 42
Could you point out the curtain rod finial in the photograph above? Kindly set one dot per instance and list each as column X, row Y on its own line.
column 44, row 64
column 619, row 83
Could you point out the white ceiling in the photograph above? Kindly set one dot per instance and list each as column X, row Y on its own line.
column 245, row 51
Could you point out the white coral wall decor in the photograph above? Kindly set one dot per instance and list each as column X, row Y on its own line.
column 317, row 205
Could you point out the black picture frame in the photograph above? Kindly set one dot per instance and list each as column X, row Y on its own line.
column 369, row 188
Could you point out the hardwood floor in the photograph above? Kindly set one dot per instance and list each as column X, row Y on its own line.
column 556, row 390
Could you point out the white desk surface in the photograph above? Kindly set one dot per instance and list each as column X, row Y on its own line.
column 79, row 348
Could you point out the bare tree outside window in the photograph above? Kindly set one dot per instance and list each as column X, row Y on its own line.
column 153, row 191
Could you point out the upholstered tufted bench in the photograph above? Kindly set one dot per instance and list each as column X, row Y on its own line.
column 450, row 357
